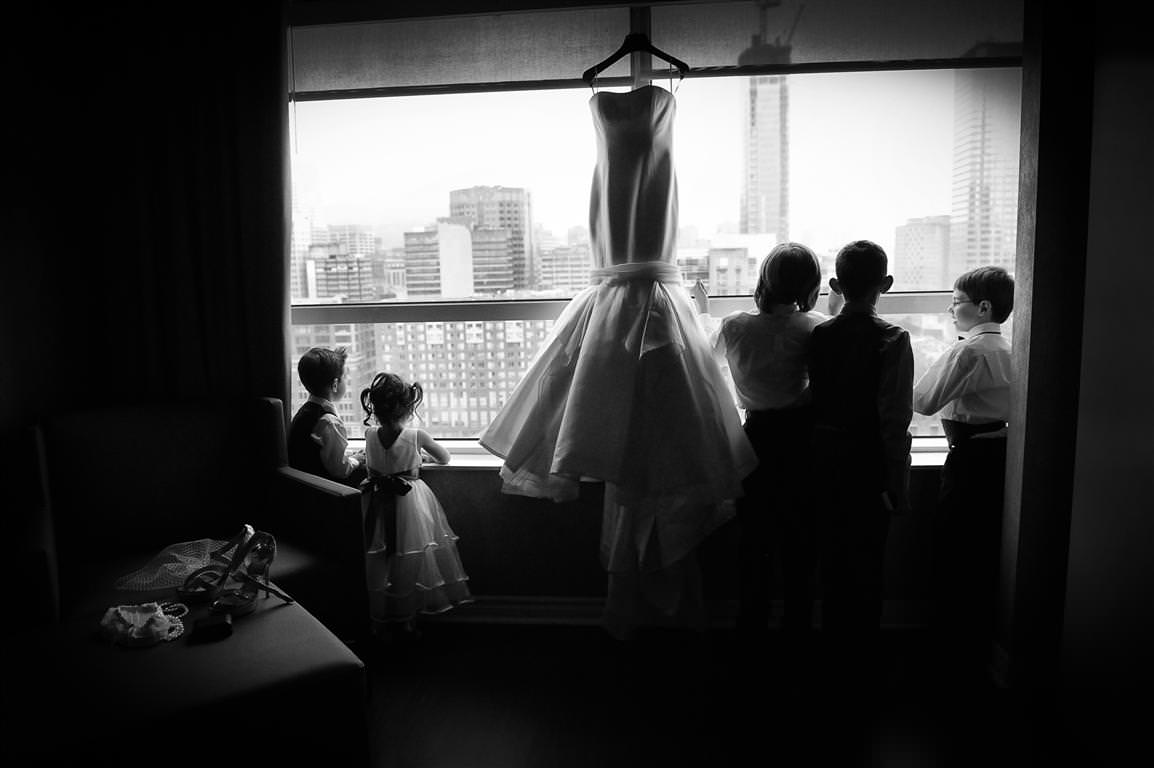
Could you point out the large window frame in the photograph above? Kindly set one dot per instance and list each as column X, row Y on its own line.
column 926, row 450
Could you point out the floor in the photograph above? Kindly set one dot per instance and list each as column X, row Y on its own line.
column 476, row 695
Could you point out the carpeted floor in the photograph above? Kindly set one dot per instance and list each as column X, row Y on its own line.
column 475, row 695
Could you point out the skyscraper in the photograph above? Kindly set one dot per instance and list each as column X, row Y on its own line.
column 503, row 208
column 358, row 239
column 987, row 130
column 333, row 276
column 492, row 262
column 566, row 267
column 765, row 134
column 921, row 254
column 439, row 260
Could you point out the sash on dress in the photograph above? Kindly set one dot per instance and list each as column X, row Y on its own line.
column 661, row 271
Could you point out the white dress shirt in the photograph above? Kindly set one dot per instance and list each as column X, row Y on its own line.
column 330, row 435
column 765, row 353
column 970, row 382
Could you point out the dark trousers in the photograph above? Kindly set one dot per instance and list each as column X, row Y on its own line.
column 776, row 521
column 854, row 528
column 967, row 542
column 853, row 525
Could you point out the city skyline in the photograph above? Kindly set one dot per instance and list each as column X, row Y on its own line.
column 865, row 155
column 490, row 239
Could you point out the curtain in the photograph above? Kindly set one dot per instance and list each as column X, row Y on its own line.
column 145, row 211
column 208, row 237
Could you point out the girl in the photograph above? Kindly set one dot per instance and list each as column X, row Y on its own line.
column 766, row 353
column 412, row 560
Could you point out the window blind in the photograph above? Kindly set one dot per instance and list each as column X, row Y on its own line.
column 557, row 45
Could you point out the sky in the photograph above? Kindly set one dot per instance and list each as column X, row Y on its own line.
column 868, row 151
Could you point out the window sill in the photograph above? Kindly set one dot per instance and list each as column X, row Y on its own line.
column 469, row 455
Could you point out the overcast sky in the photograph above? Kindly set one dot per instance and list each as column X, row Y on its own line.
column 867, row 152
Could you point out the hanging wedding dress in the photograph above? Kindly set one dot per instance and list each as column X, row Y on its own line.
column 625, row 390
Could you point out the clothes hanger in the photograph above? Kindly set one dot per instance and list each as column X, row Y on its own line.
column 634, row 42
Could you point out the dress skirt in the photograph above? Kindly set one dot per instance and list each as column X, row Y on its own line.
column 625, row 390
column 421, row 571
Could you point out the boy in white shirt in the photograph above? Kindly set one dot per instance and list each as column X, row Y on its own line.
column 970, row 385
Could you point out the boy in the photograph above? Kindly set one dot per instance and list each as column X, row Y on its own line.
column 861, row 378
column 317, row 439
column 970, row 385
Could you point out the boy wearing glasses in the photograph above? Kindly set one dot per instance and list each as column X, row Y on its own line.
column 970, row 385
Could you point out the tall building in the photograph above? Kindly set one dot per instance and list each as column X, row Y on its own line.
column 333, row 274
column 389, row 274
column 987, row 132
column 439, row 260
column 468, row 368
column 502, row 208
column 566, row 268
column 492, row 261
column 765, row 134
column 358, row 239
column 921, row 254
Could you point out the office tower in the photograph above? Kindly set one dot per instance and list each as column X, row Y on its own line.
column 566, row 268
column 765, row 134
column 921, row 254
column 502, row 208
column 389, row 274
column 335, row 275
column 468, row 368
column 544, row 239
column 358, row 239
column 439, row 260
column 987, row 129
column 492, row 261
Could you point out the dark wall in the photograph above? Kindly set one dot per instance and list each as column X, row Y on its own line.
column 513, row 546
column 1109, row 601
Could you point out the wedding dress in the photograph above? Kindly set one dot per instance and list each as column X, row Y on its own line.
column 625, row 389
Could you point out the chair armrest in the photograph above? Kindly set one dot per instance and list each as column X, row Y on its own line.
column 318, row 514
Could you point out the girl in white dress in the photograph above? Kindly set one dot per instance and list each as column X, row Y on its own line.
column 412, row 561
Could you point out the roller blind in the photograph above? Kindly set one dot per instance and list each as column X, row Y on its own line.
column 831, row 31
column 513, row 47
column 558, row 45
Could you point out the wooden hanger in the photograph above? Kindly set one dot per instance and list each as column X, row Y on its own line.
column 634, row 42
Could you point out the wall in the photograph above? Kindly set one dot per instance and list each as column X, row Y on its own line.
column 1109, row 606
column 529, row 549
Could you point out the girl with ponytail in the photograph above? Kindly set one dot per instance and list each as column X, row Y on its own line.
column 412, row 560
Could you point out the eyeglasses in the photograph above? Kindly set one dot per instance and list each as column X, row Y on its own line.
column 956, row 302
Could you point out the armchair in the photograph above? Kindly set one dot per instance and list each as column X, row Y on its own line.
column 121, row 483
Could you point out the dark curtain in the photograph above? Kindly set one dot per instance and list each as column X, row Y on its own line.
column 206, row 232
column 145, row 212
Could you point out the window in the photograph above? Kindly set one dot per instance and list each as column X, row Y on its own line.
column 444, row 229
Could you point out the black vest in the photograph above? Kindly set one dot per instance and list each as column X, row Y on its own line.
column 303, row 452
column 845, row 367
